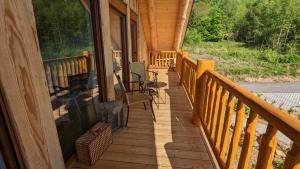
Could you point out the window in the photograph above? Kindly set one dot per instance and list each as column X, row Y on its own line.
column 67, row 46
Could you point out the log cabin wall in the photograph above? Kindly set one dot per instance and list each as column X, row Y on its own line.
column 24, row 88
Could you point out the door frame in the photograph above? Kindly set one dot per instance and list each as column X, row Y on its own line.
column 98, row 46
column 124, row 45
column 11, row 154
column 134, row 40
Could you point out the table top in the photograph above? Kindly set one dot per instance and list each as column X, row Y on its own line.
column 157, row 84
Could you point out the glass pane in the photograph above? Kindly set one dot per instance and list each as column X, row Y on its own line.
column 66, row 42
column 116, row 43
column 2, row 164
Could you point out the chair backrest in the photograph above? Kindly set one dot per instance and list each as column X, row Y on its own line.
column 139, row 68
column 123, row 89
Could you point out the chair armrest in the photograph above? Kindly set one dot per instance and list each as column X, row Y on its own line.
column 136, row 74
column 154, row 72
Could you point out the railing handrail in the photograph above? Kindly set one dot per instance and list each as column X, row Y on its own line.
column 62, row 59
column 215, row 99
column 276, row 117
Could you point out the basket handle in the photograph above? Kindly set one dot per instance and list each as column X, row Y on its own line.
column 96, row 129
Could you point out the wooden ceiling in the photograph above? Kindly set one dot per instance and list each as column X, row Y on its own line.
column 164, row 22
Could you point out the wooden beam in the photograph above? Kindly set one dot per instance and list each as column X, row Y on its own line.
column 107, row 49
column 183, row 19
column 85, row 4
column 24, row 89
column 119, row 5
column 133, row 15
column 152, row 20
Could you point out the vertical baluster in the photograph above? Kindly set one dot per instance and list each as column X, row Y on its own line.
column 221, row 114
column 193, row 84
column 61, row 82
column 150, row 59
column 236, row 134
column 65, row 74
column 267, row 148
column 216, row 105
column 54, row 75
column 210, row 107
column 79, row 66
column 163, row 59
column 49, row 78
column 76, row 66
column 206, row 101
column 156, row 59
column 84, row 63
column 226, row 127
column 187, row 80
column 162, row 56
column 292, row 160
column 167, row 59
column 153, row 59
column 69, row 71
column 72, row 65
column 159, row 59
column 248, row 141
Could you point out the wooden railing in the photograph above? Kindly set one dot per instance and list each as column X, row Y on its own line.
column 57, row 70
column 117, row 53
column 162, row 59
column 217, row 100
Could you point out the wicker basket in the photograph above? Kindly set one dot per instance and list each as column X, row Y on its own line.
column 91, row 145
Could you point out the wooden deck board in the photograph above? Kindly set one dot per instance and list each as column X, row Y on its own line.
column 172, row 142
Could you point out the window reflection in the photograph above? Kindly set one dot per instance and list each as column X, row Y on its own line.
column 65, row 37
column 2, row 164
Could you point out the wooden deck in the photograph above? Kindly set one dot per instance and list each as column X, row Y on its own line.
column 172, row 142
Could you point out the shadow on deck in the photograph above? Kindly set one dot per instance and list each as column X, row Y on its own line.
column 172, row 142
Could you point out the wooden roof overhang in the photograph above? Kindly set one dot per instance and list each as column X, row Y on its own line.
column 165, row 22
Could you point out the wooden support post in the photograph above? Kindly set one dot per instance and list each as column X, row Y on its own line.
column 184, row 55
column 25, row 99
column 202, row 66
column 292, row 160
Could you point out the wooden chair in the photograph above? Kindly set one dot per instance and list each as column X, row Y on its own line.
column 131, row 98
column 139, row 75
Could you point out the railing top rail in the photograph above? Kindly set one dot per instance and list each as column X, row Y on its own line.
column 164, row 51
column 274, row 116
column 191, row 62
column 61, row 59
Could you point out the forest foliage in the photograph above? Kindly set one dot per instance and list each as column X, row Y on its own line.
column 63, row 27
column 263, row 24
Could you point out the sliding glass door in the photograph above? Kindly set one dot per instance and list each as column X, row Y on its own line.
column 70, row 43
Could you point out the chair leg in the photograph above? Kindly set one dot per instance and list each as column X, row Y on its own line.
column 145, row 105
column 127, row 116
column 152, row 111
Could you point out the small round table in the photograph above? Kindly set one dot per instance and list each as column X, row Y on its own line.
column 154, row 90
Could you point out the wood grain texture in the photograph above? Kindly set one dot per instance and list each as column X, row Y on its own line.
column 106, row 39
column 172, row 142
column 183, row 18
column 24, row 86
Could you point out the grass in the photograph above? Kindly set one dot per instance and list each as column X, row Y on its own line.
column 237, row 61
